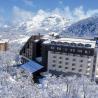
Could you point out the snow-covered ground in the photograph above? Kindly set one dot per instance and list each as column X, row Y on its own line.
column 16, row 83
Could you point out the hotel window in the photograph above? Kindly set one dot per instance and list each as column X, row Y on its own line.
column 60, row 57
column 66, row 49
column 73, row 64
column 27, row 45
column 81, row 65
column 87, row 45
column 79, row 51
column 54, row 61
column 80, row 70
column 53, row 65
column 81, row 45
column 67, row 58
column 58, row 48
column 81, row 61
column 89, row 61
column 54, row 56
column 66, row 63
column 72, row 50
column 60, row 66
column 88, row 67
column 60, row 43
column 86, row 51
column 73, row 68
column 73, row 44
column 66, row 67
column 66, row 43
column 60, row 62
column 74, row 59
column 52, row 47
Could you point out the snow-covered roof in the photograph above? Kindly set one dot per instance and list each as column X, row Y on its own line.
column 50, row 35
column 3, row 40
column 73, row 40
column 31, row 66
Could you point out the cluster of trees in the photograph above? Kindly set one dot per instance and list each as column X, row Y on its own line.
column 15, row 83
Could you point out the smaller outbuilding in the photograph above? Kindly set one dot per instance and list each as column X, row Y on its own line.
column 3, row 45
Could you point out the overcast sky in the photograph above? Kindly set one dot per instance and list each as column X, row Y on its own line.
column 8, row 7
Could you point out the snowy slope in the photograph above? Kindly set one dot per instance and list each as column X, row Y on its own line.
column 42, row 24
column 87, row 27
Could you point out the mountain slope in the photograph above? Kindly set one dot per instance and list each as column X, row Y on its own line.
column 87, row 27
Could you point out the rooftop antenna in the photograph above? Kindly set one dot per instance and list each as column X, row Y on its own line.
column 39, row 35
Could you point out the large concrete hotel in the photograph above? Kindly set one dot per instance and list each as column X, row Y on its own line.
column 66, row 56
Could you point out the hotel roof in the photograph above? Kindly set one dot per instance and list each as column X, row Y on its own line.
column 92, row 43
column 31, row 66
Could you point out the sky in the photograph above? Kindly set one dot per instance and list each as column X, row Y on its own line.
column 8, row 7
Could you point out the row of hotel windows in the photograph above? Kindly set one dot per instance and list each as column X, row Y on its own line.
column 71, row 50
column 71, row 44
column 72, row 65
column 73, row 69
column 68, row 58
column 68, row 54
column 73, row 60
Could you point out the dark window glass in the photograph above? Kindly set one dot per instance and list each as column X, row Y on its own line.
column 66, row 67
column 88, row 66
column 60, row 57
column 27, row 45
column 60, row 43
column 81, row 65
column 67, row 58
column 73, row 68
column 73, row 64
column 66, row 43
column 54, row 61
column 74, row 59
column 60, row 66
column 53, row 65
column 73, row 44
column 81, row 45
column 80, row 70
column 87, row 45
column 53, row 42
column 81, row 61
column 66, row 63
column 60, row 62
column 54, row 56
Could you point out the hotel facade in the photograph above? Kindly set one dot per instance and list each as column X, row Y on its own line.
column 62, row 56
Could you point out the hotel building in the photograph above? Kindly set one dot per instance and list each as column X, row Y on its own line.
column 66, row 56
